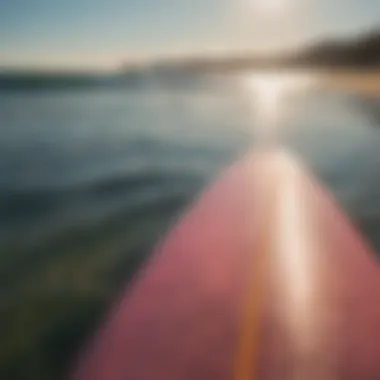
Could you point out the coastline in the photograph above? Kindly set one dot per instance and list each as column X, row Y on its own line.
column 366, row 83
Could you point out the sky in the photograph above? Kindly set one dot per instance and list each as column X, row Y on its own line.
column 105, row 33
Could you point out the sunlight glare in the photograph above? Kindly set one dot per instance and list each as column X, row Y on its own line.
column 269, row 6
column 269, row 97
column 295, row 260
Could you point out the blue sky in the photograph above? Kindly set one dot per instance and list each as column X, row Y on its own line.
column 102, row 33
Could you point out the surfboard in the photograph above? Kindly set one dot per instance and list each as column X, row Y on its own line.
column 263, row 278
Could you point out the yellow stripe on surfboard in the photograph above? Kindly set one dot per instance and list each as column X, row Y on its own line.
column 246, row 365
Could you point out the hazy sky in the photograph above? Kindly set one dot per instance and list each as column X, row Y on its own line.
column 102, row 33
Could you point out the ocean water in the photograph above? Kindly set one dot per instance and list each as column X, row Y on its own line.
column 93, row 175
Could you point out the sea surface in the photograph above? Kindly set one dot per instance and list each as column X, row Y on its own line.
column 94, row 173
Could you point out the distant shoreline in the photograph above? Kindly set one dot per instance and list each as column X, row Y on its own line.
column 366, row 83
column 361, row 81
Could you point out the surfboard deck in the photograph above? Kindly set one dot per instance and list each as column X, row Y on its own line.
column 263, row 278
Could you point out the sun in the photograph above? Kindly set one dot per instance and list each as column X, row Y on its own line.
column 269, row 6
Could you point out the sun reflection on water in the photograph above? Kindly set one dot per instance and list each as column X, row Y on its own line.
column 270, row 94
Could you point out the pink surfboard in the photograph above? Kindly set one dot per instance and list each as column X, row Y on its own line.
column 263, row 278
